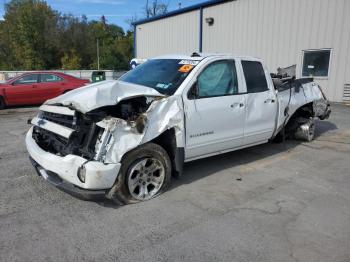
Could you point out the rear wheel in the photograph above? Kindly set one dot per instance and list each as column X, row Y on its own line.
column 306, row 130
column 145, row 173
column 2, row 103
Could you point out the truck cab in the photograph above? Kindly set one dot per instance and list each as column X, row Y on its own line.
column 127, row 138
column 230, row 103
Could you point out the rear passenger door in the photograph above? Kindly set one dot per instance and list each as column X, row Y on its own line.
column 261, row 103
column 50, row 86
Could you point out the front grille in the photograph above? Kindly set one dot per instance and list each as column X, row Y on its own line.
column 64, row 120
column 82, row 142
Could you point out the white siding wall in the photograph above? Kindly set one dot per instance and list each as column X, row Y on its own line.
column 279, row 30
column 177, row 34
column 275, row 30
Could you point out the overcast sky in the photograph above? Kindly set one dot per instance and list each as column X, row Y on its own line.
column 116, row 11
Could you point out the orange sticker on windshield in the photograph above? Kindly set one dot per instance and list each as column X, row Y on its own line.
column 186, row 68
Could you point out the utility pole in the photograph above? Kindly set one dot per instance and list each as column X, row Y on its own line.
column 98, row 53
column 147, row 11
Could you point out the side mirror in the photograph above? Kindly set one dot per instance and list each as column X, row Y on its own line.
column 193, row 93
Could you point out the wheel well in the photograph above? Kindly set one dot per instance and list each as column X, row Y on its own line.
column 304, row 112
column 167, row 140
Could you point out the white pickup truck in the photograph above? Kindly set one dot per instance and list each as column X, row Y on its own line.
column 125, row 139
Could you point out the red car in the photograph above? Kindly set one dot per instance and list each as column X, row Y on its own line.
column 36, row 88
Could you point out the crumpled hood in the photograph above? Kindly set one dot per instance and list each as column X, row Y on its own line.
column 101, row 94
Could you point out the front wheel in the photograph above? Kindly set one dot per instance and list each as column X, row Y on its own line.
column 145, row 173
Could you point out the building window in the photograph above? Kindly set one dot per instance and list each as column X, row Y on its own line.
column 316, row 63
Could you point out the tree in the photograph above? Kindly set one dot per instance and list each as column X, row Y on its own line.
column 7, row 60
column 108, row 35
column 71, row 60
column 31, row 29
column 76, row 34
column 130, row 21
column 34, row 36
column 156, row 8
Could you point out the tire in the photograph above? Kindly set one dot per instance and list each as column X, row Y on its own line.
column 136, row 181
column 133, row 65
column 2, row 103
column 306, row 130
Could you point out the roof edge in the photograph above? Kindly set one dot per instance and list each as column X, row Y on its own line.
column 181, row 11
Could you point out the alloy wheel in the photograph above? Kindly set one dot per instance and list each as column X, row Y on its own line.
column 146, row 178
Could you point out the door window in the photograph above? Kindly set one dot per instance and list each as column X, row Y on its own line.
column 254, row 76
column 218, row 79
column 27, row 79
column 48, row 78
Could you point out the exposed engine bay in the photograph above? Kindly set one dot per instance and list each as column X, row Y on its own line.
column 87, row 133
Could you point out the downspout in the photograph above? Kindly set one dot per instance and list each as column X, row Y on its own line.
column 201, row 30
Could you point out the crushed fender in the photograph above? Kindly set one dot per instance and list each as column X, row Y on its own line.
column 121, row 136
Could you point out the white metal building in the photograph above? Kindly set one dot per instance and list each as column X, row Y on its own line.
column 314, row 34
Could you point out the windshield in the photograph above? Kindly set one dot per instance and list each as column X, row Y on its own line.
column 164, row 75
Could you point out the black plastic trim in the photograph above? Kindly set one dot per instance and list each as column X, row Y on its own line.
column 179, row 160
column 69, row 188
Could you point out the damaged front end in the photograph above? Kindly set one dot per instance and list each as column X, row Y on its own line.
column 122, row 134
column 80, row 139
column 87, row 135
column 85, row 149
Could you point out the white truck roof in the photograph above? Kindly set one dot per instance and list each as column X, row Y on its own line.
column 201, row 56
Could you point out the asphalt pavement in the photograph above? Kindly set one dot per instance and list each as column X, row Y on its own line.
column 274, row 202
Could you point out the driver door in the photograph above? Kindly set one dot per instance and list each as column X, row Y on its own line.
column 215, row 115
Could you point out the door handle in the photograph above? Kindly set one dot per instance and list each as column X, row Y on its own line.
column 34, row 86
column 237, row 105
column 270, row 101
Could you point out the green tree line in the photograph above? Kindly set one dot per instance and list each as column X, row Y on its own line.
column 33, row 36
